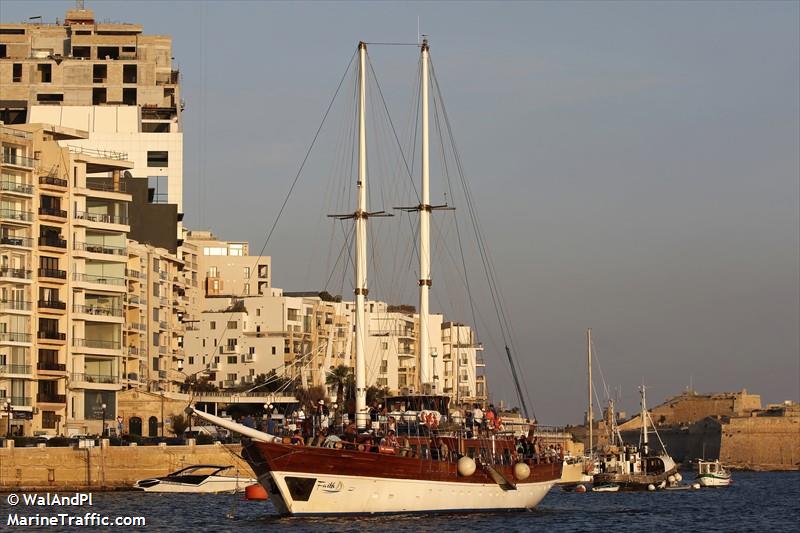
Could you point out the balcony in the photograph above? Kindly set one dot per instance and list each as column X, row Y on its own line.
column 16, row 187
column 16, row 215
column 94, row 378
column 15, row 369
column 15, row 305
column 104, row 185
column 51, row 398
column 50, row 212
column 52, row 273
column 133, row 273
column 103, row 280
column 19, row 161
column 97, row 310
column 16, row 273
column 51, row 335
column 102, row 154
column 15, row 337
column 52, row 304
column 97, row 248
column 101, row 218
column 52, row 181
column 96, row 343
column 51, row 366
column 133, row 350
column 162, row 325
column 24, row 242
column 53, row 242
column 20, row 401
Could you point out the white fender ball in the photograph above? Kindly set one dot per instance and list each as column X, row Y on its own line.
column 651, row 487
column 671, row 479
column 466, row 466
column 580, row 488
column 696, row 486
column 521, row 471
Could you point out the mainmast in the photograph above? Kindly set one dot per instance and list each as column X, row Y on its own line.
column 589, row 414
column 425, row 370
column 361, row 242
column 644, row 421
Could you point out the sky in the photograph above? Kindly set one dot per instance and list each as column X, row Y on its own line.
column 634, row 165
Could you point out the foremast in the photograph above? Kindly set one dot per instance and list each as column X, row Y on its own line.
column 425, row 370
column 360, row 216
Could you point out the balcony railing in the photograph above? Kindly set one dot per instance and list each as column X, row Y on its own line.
column 94, row 378
column 15, row 337
column 51, row 365
column 101, row 248
column 50, row 212
column 162, row 350
column 103, row 154
column 93, row 278
column 15, row 369
column 15, row 132
column 52, row 180
column 52, row 273
column 105, row 185
column 16, row 305
column 54, row 242
column 20, row 401
column 133, row 350
column 97, row 310
column 51, row 335
column 20, row 161
column 15, row 214
column 132, row 273
column 18, row 273
column 26, row 242
column 97, row 343
column 43, row 397
column 13, row 186
column 228, row 384
column 162, row 325
column 52, row 304
column 101, row 217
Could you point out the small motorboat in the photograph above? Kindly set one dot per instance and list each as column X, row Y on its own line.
column 197, row 478
column 713, row 474
column 606, row 487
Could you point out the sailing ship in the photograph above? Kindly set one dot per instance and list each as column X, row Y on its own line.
column 430, row 472
column 633, row 468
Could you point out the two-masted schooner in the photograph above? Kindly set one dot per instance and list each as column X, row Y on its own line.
column 468, row 473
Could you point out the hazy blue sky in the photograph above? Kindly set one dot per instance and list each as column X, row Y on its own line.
column 635, row 166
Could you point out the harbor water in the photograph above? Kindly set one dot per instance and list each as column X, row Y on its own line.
column 756, row 502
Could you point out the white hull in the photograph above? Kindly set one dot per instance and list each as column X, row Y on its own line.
column 214, row 484
column 337, row 494
column 709, row 481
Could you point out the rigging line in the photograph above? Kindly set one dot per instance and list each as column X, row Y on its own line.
column 391, row 123
column 288, row 195
column 339, row 257
column 488, row 266
column 393, row 44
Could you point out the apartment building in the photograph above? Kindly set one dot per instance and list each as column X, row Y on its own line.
column 463, row 368
column 67, row 284
column 109, row 79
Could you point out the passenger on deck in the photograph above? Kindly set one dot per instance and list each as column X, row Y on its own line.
column 297, row 438
column 390, row 439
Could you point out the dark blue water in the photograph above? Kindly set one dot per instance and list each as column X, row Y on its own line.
column 758, row 502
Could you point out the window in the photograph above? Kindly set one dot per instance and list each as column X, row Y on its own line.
column 384, row 366
column 45, row 71
column 217, row 250
column 252, row 350
column 81, row 51
column 129, row 96
column 246, row 289
column 273, row 350
column 246, row 272
column 155, row 127
column 155, row 264
column 384, row 346
column 236, row 249
column 191, row 360
column 258, row 311
column 48, row 419
column 99, row 73
column 49, row 97
column 155, row 363
column 157, row 158
column 232, row 324
column 128, row 73
column 16, row 73
column 155, row 314
column 292, row 314
column 263, row 270
column 108, row 52
column 231, row 359
column 213, row 272
column 99, row 95
column 155, row 339
column 3, row 52
column 212, row 325
column 156, row 291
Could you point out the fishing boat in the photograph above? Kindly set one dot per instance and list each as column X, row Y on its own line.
column 429, row 470
column 712, row 474
column 635, row 468
column 197, row 478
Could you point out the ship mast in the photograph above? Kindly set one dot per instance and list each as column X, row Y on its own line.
column 589, row 414
column 361, row 242
column 645, row 449
column 424, row 235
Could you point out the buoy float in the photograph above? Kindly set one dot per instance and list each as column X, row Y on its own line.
column 672, row 479
column 651, row 487
column 521, row 471
column 255, row 492
column 696, row 486
column 466, row 466
column 678, row 477
column 580, row 488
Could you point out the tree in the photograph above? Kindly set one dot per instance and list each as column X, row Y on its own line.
column 339, row 377
column 192, row 384
column 179, row 425
column 376, row 394
column 309, row 397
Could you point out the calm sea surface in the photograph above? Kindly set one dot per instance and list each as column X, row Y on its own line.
column 763, row 502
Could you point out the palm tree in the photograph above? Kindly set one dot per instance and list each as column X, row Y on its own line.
column 339, row 377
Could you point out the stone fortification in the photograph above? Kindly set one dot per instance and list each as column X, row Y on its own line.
column 105, row 468
column 767, row 440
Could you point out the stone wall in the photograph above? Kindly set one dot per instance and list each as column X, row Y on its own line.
column 762, row 443
column 112, row 467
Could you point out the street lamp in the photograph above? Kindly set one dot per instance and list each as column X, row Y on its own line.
column 8, row 424
column 104, row 421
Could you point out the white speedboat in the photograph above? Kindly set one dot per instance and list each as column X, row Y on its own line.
column 196, row 478
column 712, row 474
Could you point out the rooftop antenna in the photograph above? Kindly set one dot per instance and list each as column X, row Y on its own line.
column 79, row 4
